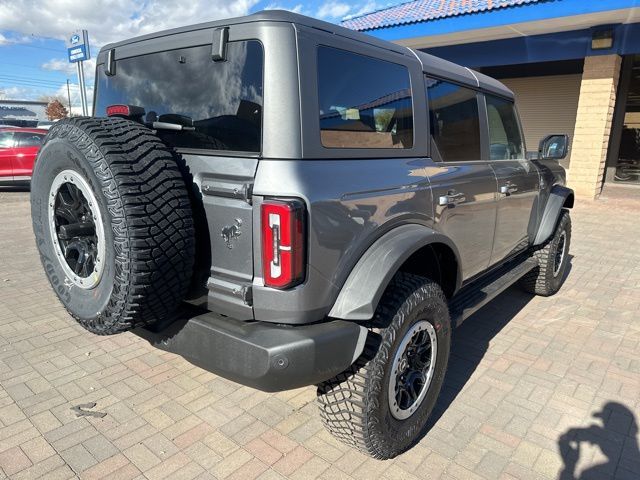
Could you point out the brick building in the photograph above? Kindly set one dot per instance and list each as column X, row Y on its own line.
column 574, row 66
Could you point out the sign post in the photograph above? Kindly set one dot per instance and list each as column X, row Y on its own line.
column 78, row 51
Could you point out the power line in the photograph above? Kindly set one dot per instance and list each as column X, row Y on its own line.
column 28, row 79
column 59, row 50
column 33, row 85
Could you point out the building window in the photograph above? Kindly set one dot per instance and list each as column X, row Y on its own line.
column 627, row 168
column 505, row 137
column 364, row 102
column 454, row 122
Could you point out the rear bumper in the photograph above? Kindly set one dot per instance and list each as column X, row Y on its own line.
column 261, row 355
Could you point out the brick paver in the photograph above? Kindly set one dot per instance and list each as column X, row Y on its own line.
column 524, row 396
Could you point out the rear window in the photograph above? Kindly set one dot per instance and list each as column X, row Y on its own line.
column 222, row 101
column 364, row 102
column 454, row 121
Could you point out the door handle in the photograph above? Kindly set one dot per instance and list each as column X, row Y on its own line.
column 452, row 198
column 508, row 189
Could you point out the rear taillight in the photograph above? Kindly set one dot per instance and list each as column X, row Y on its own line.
column 283, row 249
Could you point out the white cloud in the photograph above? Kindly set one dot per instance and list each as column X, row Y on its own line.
column 368, row 7
column 11, row 93
column 112, row 20
column 4, row 40
column 333, row 9
column 299, row 8
column 59, row 65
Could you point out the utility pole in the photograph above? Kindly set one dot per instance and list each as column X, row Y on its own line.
column 78, row 51
column 83, row 92
column 69, row 96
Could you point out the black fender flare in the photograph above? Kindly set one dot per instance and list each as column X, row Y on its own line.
column 558, row 198
column 361, row 292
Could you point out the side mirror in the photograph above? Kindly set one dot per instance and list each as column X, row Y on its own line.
column 553, row 147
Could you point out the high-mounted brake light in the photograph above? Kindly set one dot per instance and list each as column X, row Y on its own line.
column 113, row 110
column 125, row 111
column 283, row 250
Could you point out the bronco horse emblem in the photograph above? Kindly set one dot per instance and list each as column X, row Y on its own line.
column 229, row 232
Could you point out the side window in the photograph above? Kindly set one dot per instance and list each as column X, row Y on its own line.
column 6, row 139
column 505, row 138
column 28, row 139
column 364, row 102
column 454, row 121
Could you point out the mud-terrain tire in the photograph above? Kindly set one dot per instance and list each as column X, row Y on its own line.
column 553, row 260
column 113, row 223
column 356, row 406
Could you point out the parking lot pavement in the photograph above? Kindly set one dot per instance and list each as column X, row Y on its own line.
column 536, row 388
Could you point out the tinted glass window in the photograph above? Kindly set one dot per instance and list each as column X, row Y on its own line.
column 26, row 139
column 364, row 102
column 505, row 138
column 454, row 122
column 220, row 103
column 6, row 139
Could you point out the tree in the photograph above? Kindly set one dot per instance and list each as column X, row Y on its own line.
column 55, row 110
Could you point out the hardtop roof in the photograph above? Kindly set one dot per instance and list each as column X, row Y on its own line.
column 430, row 64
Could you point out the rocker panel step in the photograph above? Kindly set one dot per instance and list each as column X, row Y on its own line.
column 477, row 294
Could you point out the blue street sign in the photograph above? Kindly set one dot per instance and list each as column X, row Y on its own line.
column 77, row 54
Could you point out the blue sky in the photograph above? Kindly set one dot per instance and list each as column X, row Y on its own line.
column 32, row 33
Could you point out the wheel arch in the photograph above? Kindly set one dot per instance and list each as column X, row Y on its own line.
column 560, row 197
column 409, row 248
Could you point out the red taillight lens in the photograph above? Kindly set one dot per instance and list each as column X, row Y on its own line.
column 283, row 255
column 113, row 110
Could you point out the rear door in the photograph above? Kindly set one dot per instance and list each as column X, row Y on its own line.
column 463, row 184
column 27, row 145
column 518, row 179
column 6, row 155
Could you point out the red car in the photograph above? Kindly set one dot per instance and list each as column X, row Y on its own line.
column 18, row 150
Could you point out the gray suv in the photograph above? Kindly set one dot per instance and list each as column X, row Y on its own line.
column 286, row 202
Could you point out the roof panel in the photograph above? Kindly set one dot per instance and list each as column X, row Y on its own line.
column 426, row 10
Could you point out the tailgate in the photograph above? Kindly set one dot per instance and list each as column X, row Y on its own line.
column 226, row 185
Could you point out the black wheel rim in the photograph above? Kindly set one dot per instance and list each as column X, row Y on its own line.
column 412, row 370
column 559, row 256
column 75, row 230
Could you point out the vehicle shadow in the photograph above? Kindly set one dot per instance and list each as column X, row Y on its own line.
column 616, row 436
column 470, row 342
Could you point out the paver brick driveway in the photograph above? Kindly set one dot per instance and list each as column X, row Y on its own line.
column 537, row 387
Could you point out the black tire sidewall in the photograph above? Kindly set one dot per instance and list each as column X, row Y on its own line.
column 554, row 282
column 397, row 435
column 56, row 155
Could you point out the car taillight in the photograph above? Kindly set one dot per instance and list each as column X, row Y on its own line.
column 283, row 250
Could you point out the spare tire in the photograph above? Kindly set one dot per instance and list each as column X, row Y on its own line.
column 113, row 223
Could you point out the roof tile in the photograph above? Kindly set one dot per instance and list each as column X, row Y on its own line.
column 425, row 10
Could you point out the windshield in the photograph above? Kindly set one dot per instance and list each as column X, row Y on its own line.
column 221, row 100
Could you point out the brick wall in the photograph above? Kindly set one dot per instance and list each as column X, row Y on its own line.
column 593, row 124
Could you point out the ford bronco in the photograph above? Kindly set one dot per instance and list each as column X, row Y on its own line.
column 286, row 202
